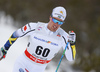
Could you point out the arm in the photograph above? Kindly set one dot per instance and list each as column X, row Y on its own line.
column 72, row 40
column 70, row 52
column 7, row 45
column 24, row 31
column 10, row 41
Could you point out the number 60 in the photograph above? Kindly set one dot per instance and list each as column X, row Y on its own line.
column 40, row 50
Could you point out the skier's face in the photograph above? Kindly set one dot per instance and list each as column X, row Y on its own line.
column 52, row 25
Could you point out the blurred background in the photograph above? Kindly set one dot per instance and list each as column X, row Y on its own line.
column 83, row 17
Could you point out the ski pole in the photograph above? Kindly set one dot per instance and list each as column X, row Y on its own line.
column 62, row 56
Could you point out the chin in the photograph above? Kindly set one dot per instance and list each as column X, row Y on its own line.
column 54, row 30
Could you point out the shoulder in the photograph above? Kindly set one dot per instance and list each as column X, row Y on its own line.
column 41, row 24
column 32, row 25
column 63, row 32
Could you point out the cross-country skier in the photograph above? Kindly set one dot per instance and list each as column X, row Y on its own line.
column 45, row 40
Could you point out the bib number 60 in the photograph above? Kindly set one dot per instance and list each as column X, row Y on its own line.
column 40, row 51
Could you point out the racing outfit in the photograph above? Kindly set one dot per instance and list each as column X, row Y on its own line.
column 43, row 45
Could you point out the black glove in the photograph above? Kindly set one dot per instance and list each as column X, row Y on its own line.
column 3, row 53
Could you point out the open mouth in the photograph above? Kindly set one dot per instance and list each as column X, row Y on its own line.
column 54, row 27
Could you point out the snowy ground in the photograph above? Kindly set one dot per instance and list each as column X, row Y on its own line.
column 6, row 29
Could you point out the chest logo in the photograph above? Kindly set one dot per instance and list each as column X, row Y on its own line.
column 58, row 35
column 39, row 28
column 46, row 41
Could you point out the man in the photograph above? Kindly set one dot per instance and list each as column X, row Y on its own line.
column 45, row 40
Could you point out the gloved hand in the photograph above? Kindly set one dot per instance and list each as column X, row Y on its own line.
column 72, row 37
column 3, row 52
